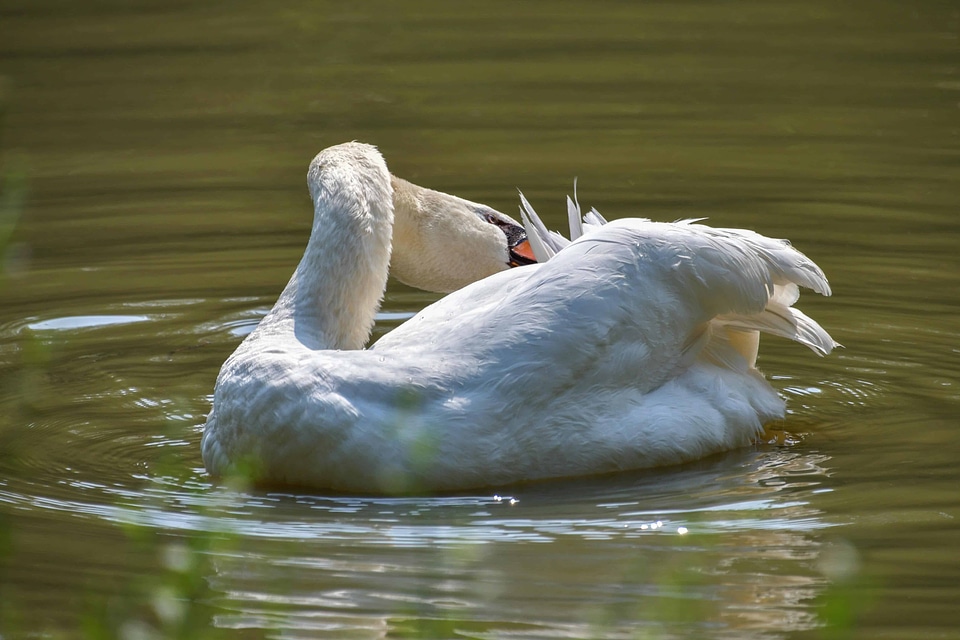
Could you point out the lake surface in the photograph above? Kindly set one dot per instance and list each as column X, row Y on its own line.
column 160, row 149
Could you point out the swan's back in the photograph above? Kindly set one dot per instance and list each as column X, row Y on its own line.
column 656, row 285
column 625, row 350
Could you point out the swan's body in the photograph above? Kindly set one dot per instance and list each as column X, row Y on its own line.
column 629, row 348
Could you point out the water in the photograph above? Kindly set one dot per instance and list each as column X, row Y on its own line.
column 164, row 147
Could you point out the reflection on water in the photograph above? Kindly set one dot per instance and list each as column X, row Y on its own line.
column 82, row 322
column 165, row 148
column 608, row 549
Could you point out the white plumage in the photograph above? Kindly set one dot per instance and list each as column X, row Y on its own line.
column 632, row 346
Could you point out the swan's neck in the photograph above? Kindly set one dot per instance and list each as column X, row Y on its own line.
column 332, row 298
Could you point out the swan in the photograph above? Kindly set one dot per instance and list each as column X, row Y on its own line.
column 631, row 346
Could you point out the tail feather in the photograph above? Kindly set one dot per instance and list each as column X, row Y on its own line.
column 786, row 294
column 789, row 270
column 546, row 243
column 786, row 322
column 784, row 268
column 573, row 215
column 593, row 219
column 787, row 265
column 542, row 241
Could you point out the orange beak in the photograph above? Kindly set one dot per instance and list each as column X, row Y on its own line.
column 521, row 254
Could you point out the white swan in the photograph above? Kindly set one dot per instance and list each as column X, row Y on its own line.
column 631, row 347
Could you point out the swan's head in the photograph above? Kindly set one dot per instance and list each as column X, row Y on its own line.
column 443, row 243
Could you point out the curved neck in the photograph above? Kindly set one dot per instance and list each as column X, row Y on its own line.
column 333, row 296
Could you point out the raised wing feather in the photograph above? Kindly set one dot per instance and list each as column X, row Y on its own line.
column 731, row 255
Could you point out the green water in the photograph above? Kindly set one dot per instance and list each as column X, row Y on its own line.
column 164, row 148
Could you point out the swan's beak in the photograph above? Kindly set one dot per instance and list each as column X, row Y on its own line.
column 518, row 246
column 521, row 253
